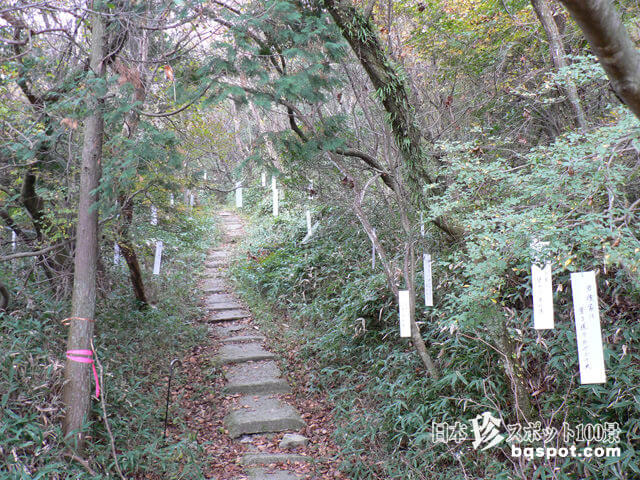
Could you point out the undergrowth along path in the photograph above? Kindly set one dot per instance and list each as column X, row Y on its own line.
column 236, row 396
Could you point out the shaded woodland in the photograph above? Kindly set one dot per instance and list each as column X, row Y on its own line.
column 471, row 130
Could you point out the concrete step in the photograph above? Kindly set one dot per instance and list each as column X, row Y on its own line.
column 243, row 339
column 262, row 414
column 262, row 474
column 214, row 286
column 243, row 352
column 259, row 378
column 228, row 330
column 219, row 306
column 216, row 264
column 269, row 458
column 227, row 315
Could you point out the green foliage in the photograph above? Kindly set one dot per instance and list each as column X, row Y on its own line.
column 135, row 349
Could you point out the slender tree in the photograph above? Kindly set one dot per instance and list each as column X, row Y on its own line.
column 559, row 56
column 78, row 375
column 609, row 39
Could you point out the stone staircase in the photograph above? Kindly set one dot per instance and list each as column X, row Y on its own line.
column 251, row 371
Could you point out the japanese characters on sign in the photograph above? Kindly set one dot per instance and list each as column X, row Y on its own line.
column 588, row 334
column 542, row 291
column 405, row 322
column 428, row 282
column 274, row 189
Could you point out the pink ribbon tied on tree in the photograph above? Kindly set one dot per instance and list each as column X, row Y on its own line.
column 85, row 356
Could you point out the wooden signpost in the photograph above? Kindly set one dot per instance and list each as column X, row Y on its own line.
column 274, row 190
column 404, row 312
column 542, row 291
column 158, row 257
column 308, row 216
column 588, row 333
column 116, row 253
column 428, row 281
column 238, row 195
column 373, row 251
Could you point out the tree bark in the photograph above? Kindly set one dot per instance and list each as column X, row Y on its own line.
column 416, row 337
column 558, row 56
column 603, row 27
column 393, row 92
column 78, row 375
column 389, row 84
column 129, row 253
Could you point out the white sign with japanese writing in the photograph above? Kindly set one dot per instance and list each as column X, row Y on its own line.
column 542, row 291
column 588, row 334
column 158, row 258
column 238, row 195
column 373, row 251
column 405, row 314
column 274, row 190
column 428, row 281
column 116, row 253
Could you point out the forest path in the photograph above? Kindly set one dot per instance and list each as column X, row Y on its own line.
column 257, row 412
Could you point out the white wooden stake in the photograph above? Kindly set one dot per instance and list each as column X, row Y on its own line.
column 116, row 253
column 192, row 200
column 263, row 179
column 171, row 200
column 542, row 292
column 588, row 333
column 238, row 195
column 158, row 258
column 308, row 215
column 428, row 281
column 154, row 215
column 204, row 176
column 404, row 311
column 14, row 239
column 421, row 224
column 274, row 189
column 373, row 251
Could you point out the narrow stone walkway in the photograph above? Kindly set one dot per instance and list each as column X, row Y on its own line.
column 253, row 378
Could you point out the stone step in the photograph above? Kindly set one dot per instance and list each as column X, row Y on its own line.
column 220, row 306
column 216, row 264
column 226, row 330
column 262, row 414
column 215, row 289
column 218, row 255
column 220, row 298
column 256, row 378
column 227, row 315
column 262, row 474
column 243, row 339
column 269, row 458
column 243, row 352
column 215, row 284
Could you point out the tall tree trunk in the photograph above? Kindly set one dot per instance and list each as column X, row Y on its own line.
column 558, row 56
column 609, row 39
column 76, row 394
column 393, row 92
